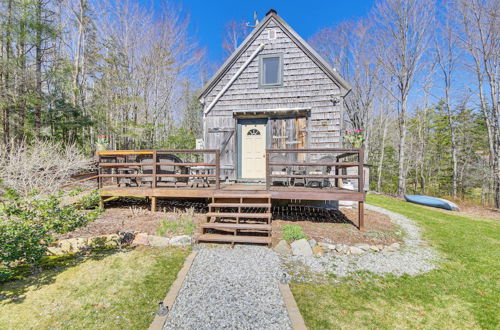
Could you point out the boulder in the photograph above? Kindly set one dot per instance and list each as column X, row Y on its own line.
column 141, row 239
column 126, row 237
column 55, row 251
column 158, row 241
column 392, row 248
column 312, row 242
column 354, row 250
column 364, row 247
column 182, row 240
column 301, row 248
column 318, row 250
column 282, row 248
column 374, row 248
column 112, row 240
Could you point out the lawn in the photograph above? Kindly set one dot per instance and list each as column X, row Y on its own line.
column 463, row 293
column 118, row 289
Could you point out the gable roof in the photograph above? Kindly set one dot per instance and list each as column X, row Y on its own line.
column 345, row 87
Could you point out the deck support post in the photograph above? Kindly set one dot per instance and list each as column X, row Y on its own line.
column 153, row 204
column 101, row 202
column 361, row 215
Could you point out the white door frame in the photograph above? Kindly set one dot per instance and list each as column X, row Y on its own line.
column 251, row 121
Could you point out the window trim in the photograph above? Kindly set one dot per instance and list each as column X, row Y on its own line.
column 280, row 70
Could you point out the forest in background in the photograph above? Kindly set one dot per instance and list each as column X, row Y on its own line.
column 425, row 78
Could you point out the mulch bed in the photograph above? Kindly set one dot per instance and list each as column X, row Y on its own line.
column 132, row 214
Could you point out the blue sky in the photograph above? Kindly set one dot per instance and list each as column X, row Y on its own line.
column 306, row 17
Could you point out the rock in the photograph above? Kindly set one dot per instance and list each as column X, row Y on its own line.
column 112, row 240
column 182, row 240
column 392, row 248
column 318, row 250
column 282, row 248
column 158, row 241
column 354, row 250
column 55, row 251
column 301, row 248
column 327, row 246
column 312, row 242
column 374, row 248
column 141, row 239
column 364, row 247
column 339, row 248
column 126, row 237
column 98, row 242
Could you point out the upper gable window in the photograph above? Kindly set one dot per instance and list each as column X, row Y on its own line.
column 271, row 70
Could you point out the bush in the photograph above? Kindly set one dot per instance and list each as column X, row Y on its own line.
column 28, row 225
column 89, row 201
column 183, row 224
column 293, row 233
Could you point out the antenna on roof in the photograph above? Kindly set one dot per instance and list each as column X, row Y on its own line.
column 255, row 20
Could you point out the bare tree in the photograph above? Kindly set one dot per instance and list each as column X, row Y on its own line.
column 402, row 35
column 480, row 34
column 234, row 33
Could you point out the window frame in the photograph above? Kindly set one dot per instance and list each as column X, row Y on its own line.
column 280, row 70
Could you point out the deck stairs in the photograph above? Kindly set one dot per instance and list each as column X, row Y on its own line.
column 238, row 218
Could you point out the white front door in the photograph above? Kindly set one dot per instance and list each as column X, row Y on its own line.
column 253, row 151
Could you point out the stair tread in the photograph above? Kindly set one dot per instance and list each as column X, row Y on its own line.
column 256, row 226
column 234, row 238
column 239, row 204
column 232, row 195
column 241, row 215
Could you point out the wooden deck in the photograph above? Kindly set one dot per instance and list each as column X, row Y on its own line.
column 277, row 192
column 196, row 174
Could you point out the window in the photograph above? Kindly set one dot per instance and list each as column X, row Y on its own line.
column 253, row 131
column 271, row 70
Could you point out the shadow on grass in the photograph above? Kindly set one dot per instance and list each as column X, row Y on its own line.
column 29, row 277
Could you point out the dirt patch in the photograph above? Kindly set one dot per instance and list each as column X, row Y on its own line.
column 379, row 229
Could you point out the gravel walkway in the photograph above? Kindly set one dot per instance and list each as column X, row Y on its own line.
column 231, row 289
column 415, row 256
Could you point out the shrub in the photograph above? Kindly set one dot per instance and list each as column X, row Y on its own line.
column 28, row 225
column 183, row 224
column 41, row 166
column 293, row 233
column 89, row 201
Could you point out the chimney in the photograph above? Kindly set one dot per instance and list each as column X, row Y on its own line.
column 271, row 11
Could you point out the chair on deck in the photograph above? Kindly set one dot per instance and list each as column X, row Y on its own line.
column 171, row 169
column 279, row 170
column 320, row 170
column 146, row 169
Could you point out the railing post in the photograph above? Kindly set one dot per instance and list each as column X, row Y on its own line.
column 217, row 169
column 268, row 171
column 155, row 164
column 337, row 172
column 99, row 183
column 361, row 181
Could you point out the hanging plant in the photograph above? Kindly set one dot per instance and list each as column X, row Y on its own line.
column 355, row 138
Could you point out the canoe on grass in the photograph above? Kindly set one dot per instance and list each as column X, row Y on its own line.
column 432, row 201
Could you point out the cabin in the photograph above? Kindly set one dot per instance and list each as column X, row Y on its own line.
column 273, row 92
column 272, row 123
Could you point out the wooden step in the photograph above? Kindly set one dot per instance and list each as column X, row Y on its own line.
column 234, row 239
column 232, row 195
column 239, row 205
column 242, row 226
column 240, row 215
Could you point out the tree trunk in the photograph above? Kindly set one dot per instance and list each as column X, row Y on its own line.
column 38, row 68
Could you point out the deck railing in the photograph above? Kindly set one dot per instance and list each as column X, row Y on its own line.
column 316, row 164
column 112, row 162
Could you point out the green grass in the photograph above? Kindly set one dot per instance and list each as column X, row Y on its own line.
column 117, row 289
column 183, row 224
column 462, row 294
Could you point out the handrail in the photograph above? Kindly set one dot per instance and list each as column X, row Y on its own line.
column 155, row 163
column 337, row 153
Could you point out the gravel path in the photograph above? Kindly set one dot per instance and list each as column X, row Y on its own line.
column 231, row 289
column 415, row 256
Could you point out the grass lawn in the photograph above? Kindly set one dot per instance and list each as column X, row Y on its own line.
column 463, row 293
column 118, row 289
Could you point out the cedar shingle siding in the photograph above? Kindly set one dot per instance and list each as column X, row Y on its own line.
column 305, row 86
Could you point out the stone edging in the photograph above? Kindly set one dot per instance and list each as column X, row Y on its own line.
column 159, row 321
column 292, row 308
